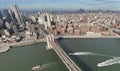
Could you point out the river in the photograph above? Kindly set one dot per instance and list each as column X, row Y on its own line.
column 91, row 52
column 25, row 57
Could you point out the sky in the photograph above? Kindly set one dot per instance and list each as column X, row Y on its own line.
column 62, row 4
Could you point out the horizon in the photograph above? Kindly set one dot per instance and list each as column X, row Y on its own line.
column 61, row 4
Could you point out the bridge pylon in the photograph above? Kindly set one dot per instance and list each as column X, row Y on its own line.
column 49, row 39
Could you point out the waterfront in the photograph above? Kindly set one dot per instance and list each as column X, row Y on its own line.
column 25, row 57
column 100, row 49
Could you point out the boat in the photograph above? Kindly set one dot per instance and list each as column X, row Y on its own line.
column 37, row 67
column 112, row 61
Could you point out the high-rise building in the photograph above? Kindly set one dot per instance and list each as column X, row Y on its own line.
column 7, row 24
column 12, row 15
column 6, row 15
column 15, row 30
column 47, row 20
column 1, row 15
column 1, row 20
column 40, row 20
column 18, row 16
column 6, row 32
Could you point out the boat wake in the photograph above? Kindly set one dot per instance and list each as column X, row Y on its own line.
column 89, row 53
column 48, row 65
column 115, row 60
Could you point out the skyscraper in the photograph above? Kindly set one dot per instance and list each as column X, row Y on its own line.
column 47, row 20
column 7, row 25
column 6, row 15
column 15, row 30
column 12, row 15
column 0, row 15
column 18, row 16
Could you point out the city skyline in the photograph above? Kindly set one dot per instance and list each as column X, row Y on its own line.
column 61, row 4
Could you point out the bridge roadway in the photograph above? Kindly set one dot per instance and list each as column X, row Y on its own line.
column 60, row 52
column 63, row 56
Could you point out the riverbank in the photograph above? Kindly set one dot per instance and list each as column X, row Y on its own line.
column 70, row 36
column 4, row 47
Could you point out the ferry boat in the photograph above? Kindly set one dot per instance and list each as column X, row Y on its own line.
column 37, row 67
column 115, row 60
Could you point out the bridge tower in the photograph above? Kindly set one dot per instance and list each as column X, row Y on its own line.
column 48, row 42
column 52, row 37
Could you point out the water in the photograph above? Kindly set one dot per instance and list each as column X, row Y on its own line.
column 89, row 53
column 112, row 61
column 24, row 58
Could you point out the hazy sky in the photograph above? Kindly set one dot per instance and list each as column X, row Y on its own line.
column 64, row 4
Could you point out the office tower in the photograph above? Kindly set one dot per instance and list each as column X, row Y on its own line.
column 7, row 24
column 15, row 30
column 0, row 24
column 6, row 32
column 47, row 20
column 1, row 15
column 40, row 20
column 18, row 16
column 1, row 20
column 6, row 15
column 12, row 15
column 58, row 17
column 51, row 17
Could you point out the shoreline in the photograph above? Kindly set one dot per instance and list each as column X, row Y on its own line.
column 70, row 36
column 4, row 47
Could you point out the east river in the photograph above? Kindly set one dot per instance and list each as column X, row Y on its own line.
column 25, row 57
column 94, row 51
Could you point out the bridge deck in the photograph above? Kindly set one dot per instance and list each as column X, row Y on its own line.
column 64, row 57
